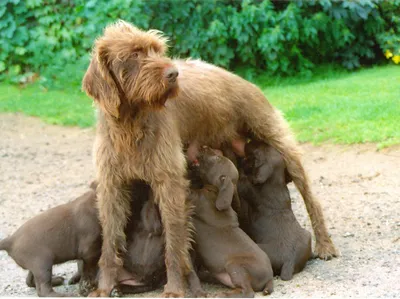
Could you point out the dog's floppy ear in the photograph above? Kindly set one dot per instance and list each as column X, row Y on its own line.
column 225, row 193
column 288, row 177
column 99, row 84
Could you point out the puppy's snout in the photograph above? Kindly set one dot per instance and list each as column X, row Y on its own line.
column 171, row 74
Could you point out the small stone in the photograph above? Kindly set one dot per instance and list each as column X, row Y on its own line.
column 348, row 235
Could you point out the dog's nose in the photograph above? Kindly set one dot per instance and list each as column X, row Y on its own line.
column 171, row 74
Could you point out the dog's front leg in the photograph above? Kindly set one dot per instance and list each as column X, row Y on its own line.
column 114, row 210
column 170, row 194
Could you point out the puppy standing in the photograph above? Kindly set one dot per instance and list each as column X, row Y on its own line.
column 67, row 232
column 140, row 136
column 271, row 222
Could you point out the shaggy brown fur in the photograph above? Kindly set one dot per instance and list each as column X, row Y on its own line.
column 271, row 222
column 67, row 232
column 140, row 136
column 225, row 250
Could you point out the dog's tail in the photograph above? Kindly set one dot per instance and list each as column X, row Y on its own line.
column 269, row 287
column 5, row 244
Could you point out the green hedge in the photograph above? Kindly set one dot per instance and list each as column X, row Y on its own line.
column 53, row 37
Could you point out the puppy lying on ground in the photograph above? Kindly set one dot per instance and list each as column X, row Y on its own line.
column 72, row 231
column 271, row 222
column 225, row 250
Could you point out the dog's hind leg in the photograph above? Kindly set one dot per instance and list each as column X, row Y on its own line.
column 55, row 280
column 43, row 280
column 78, row 274
column 88, row 280
column 267, row 125
column 287, row 270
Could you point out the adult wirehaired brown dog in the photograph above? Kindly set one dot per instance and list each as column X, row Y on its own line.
column 271, row 221
column 140, row 136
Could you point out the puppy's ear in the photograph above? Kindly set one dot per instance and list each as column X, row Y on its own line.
column 288, row 177
column 98, row 83
column 225, row 194
column 93, row 185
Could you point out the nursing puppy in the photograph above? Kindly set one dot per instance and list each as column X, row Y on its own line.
column 215, row 169
column 225, row 250
column 144, row 267
column 271, row 222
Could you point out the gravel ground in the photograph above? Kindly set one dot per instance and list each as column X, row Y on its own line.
column 359, row 188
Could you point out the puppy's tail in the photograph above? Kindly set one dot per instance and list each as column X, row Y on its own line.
column 5, row 244
column 269, row 288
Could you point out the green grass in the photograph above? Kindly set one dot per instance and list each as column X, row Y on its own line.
column 341, row 107
column 331, row 106
column 69, row 107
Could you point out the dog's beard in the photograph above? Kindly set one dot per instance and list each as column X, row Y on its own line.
column 170, row 93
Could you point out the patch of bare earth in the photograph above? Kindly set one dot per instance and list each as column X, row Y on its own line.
column 42, row 166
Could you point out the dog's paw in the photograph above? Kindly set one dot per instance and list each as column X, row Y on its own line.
column 326, row 251
column 167, row 294
column 200, row 294
column 98, row 293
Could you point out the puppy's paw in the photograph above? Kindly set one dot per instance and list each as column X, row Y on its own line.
column 57, row 281
column 75, row 279
column 326, row 250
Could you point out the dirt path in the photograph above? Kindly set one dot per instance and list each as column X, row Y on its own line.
column 359, row 188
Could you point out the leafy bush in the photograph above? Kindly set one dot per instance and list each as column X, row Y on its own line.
column 53, row 37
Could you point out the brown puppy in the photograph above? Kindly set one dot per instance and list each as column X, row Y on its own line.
column 140, row 136
column 271, row 222
column 145, row 254
column 67, row 232
column 144, row 267
column 225, row 250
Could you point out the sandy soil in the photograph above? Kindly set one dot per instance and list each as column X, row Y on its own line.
column 43, row 166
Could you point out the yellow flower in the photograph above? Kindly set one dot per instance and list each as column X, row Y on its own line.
column 388, row 54
column 396, row 59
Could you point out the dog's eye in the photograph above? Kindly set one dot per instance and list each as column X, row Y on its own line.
column 135, row 54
